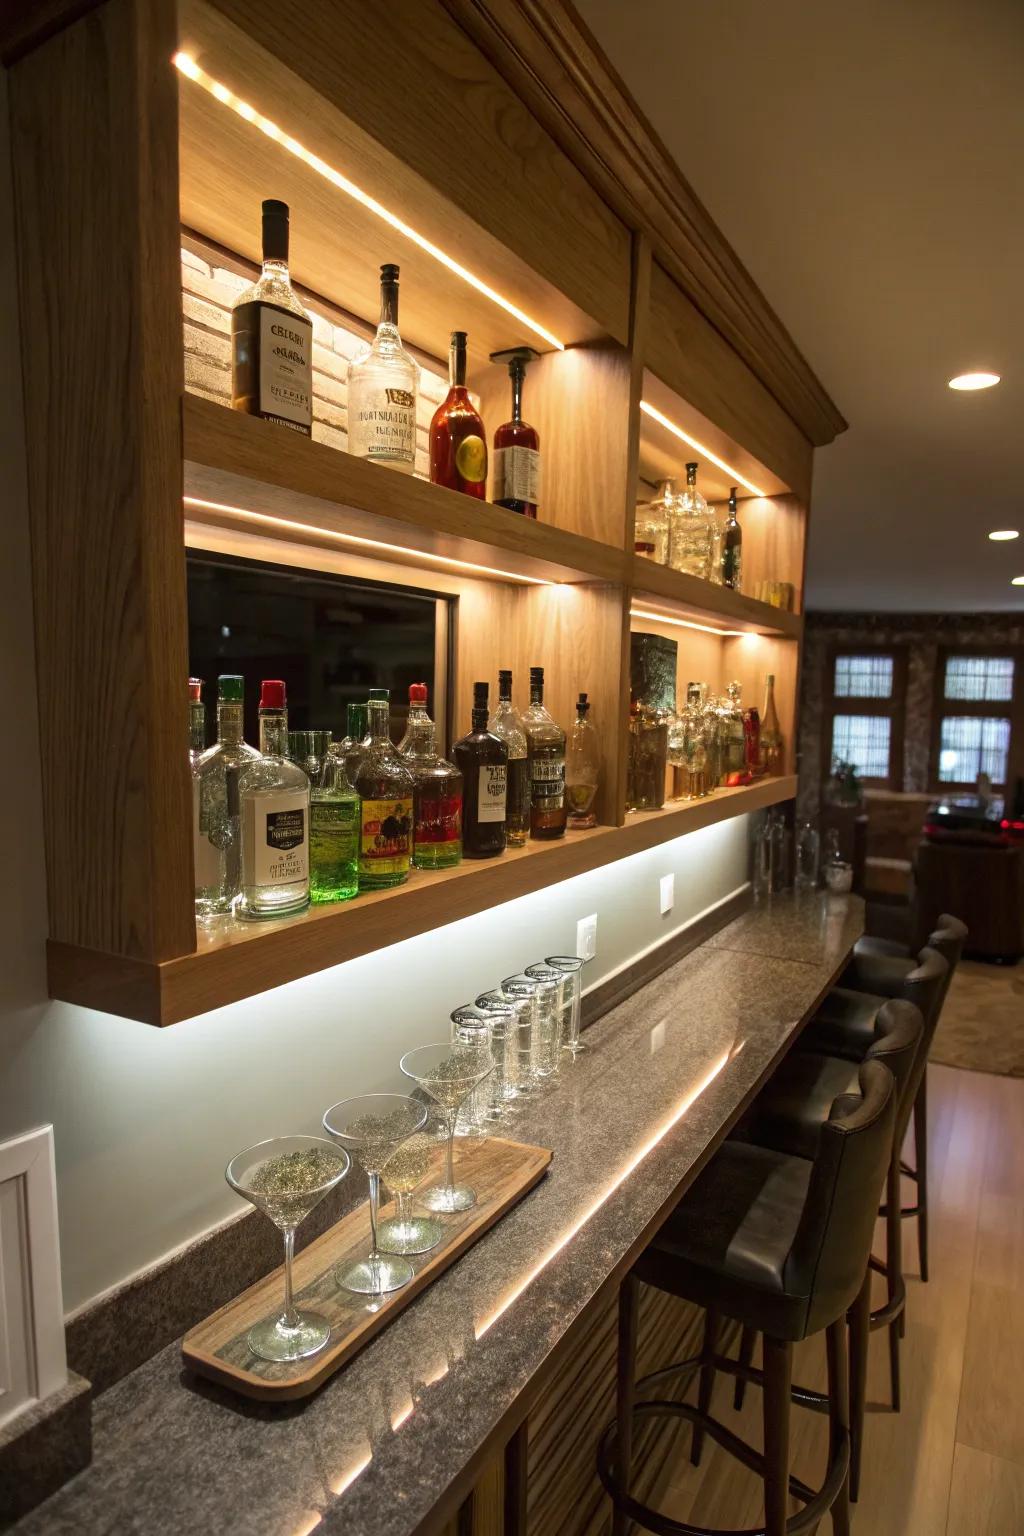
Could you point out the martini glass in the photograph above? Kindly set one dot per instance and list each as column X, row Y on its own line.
column 572, row 968
column 372, row 1127
column 448, row 1072
column 285, row 1178
column 406, row 1233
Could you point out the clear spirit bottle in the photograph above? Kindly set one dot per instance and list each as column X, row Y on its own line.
column 383, row 380
column 333, row 834
column 582, row 768
column 274, row 806
column 735, row 743
column 506, row 724
column 272, row 337
column 545, row 743
column 216, row 843
column 385, row 788
column 772, row 743
column 437, row 791
column 690, row 530
column 458, row 447
column 196, row 720
column 355, row 743
column 647, row 759
column 483, row 760
column 419, row 728
column 651, row 531
column 732, row 548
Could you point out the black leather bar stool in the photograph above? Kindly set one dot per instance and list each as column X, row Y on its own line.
column 844, row 1026
column 788, row 1116
column 949, row 938
column 781, row 1245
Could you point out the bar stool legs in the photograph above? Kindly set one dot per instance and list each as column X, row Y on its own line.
column 838, row 1421
column 778, row 1381
column 707, row 1380
column 921, row 1162
column 748, row 1339
column 629, row 1302
column 859, row 1320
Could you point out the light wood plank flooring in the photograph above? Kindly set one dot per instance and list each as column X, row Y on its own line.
column 952, row 1462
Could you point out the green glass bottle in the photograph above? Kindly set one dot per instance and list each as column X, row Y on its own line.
column 333, row 834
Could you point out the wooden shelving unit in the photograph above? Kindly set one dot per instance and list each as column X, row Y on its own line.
column 115, row 150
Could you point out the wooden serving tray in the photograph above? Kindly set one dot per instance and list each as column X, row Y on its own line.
column 500, row 1171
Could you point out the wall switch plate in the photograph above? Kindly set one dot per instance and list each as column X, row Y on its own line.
column 586, row 937
column 668, row 893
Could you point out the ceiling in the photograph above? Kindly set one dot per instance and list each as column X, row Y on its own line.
column 866, row 162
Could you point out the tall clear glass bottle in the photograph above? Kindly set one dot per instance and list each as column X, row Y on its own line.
column 196, row 720
column 383, row 381
column 355, row 743
column 690, row 530
column 437, row 791
column 216, row 844
column 735, row 757
column 483, row 760
column 732, row 548
column 773, row 747
column 273, row 798
column 651, row 530
column 385, row 787
column 333, row 834
column 458, row 447
column 647, row 759
column 506, row 724
column 696, row 744
column 272, row 337
column 545, row 744
column 582, row 768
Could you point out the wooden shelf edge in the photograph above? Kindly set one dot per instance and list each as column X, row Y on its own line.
column 691, row 597
column 255, row 959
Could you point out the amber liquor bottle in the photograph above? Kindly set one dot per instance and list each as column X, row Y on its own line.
column 516, row 445
column 482, row 759
column 545, row 741
column 505, row 722
column 272, row 337
column 458, row 449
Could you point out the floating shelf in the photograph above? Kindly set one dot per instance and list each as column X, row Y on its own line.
column 687, row 597
column 245, row 959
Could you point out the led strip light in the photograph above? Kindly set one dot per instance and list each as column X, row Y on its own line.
column 186, row 65
column 664, row 618
column 705, row 452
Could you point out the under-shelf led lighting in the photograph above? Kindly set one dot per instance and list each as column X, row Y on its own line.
column 187, row 66
column 974, row 381
column 294, row 526
column 1017, row 581
column 1003, row 535
column 701, row 448
column 664, row 618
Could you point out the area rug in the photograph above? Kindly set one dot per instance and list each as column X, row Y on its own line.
column 982, row 1024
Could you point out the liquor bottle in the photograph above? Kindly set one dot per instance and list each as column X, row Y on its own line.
column 772, row 744
column 582, row 768
column 647, row 759
column 506, row 724
column 516, row 446
column 333, row 834
column 355, row 743
column 732, row 548
column 712, row 739
column 545, row 744
column 385, row 788
column 690, row 530
column 734, row 753
column 458, row 448
column 196, row 720
column 752, row 741
column 216, row 844
column 651, row 531
column 437, row 790
column 272, row 337
column 273, row 796
column 382, row 384
column 697, row 744
column 483, row 760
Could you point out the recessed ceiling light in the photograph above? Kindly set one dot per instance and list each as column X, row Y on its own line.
column 1017, row 581
column 1002, row 535
column 974, row 381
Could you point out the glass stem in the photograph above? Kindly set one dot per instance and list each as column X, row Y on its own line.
column 291, row 1317
column 449, row 1151
column 374, row 1208
column 402, row 1212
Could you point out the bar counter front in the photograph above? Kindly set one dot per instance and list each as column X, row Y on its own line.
column 395, row 1442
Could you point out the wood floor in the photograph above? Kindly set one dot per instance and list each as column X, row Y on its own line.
column 952, row 1462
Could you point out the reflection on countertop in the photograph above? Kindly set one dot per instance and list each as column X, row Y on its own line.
column 629, row 1121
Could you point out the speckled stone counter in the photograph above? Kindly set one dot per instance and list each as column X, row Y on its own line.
column 396, row 1439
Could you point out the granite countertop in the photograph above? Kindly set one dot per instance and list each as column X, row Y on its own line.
column 630, row 1121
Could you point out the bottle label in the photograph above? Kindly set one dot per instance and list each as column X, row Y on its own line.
column 471, row 459
column 333, row 832
column 382, row 423
column 491, row 796
column 207, row 858
column 275, row 849
column 439, row 821
column 517, row 474
column 385, row 836
column 286, row 367
column 547, row 783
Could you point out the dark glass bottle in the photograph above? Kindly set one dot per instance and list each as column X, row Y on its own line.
column 483, row 761
column 732, row 548
column 517, row 448
column 272, row 337
column 545, row 742
column 458, row 448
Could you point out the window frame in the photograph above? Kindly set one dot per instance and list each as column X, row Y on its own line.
column 893, row 708
column 985, row 709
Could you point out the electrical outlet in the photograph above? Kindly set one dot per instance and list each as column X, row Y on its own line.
column 586, row 937
column 668, row 893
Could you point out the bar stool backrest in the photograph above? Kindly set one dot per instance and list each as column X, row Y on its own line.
column 899, row 1029
column 828, row 1259
column 948, row 939
column 924, row 986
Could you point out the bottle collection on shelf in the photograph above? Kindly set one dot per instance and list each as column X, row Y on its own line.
column 709, row 743
column 272, row 377
column 307, row 819
column 679, row 529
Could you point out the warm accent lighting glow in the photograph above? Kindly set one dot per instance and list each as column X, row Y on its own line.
column 664, row 618
column 619, row 1179
column 1017, row 581
column 191, row 70
column 974, row 381
column 705, row 453
column 348, row 1477
column 1002, row 535
column 294, row 526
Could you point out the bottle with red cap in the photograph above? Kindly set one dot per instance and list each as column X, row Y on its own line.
column 274, row 806
column 437, row 790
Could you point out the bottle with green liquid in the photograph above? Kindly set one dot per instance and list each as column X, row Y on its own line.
column 333, row 834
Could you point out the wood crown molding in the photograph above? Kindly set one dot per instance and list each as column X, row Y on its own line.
column 548, row 55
